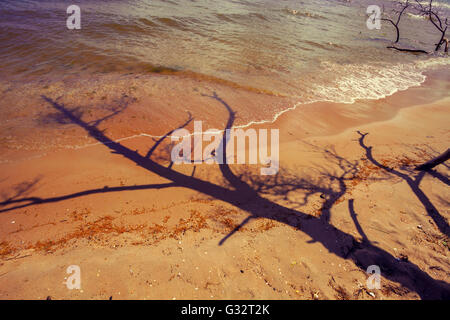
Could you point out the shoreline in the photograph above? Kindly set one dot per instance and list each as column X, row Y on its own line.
column 376, row 110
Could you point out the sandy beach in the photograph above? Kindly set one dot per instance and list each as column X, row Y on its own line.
column 109, row 111
column 346, row 197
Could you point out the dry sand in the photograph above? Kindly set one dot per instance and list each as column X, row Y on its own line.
column 342, row 201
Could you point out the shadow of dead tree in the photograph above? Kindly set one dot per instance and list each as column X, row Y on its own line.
column 322, row 184
column 20, row 190
column 413, row 179
column 248, row 196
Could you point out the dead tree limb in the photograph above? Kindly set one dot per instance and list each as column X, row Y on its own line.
column 436, row 20
column 395, row 24
column 408, row 50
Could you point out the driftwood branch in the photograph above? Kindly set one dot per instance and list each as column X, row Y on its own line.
column 408, row 50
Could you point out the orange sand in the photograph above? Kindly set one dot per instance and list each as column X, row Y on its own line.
column 138, row 231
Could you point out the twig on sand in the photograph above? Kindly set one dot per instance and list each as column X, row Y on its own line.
column 18, row 257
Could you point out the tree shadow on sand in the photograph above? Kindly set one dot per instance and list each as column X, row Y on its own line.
column 247, row 194
column 413, row 179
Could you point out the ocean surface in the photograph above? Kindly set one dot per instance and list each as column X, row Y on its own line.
column 311, row 50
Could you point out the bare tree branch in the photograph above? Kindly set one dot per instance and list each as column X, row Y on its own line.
column 437, row 20
column 395, row 24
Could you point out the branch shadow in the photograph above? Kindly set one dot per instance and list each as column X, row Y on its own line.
column 246, row 193
column 413, row 180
